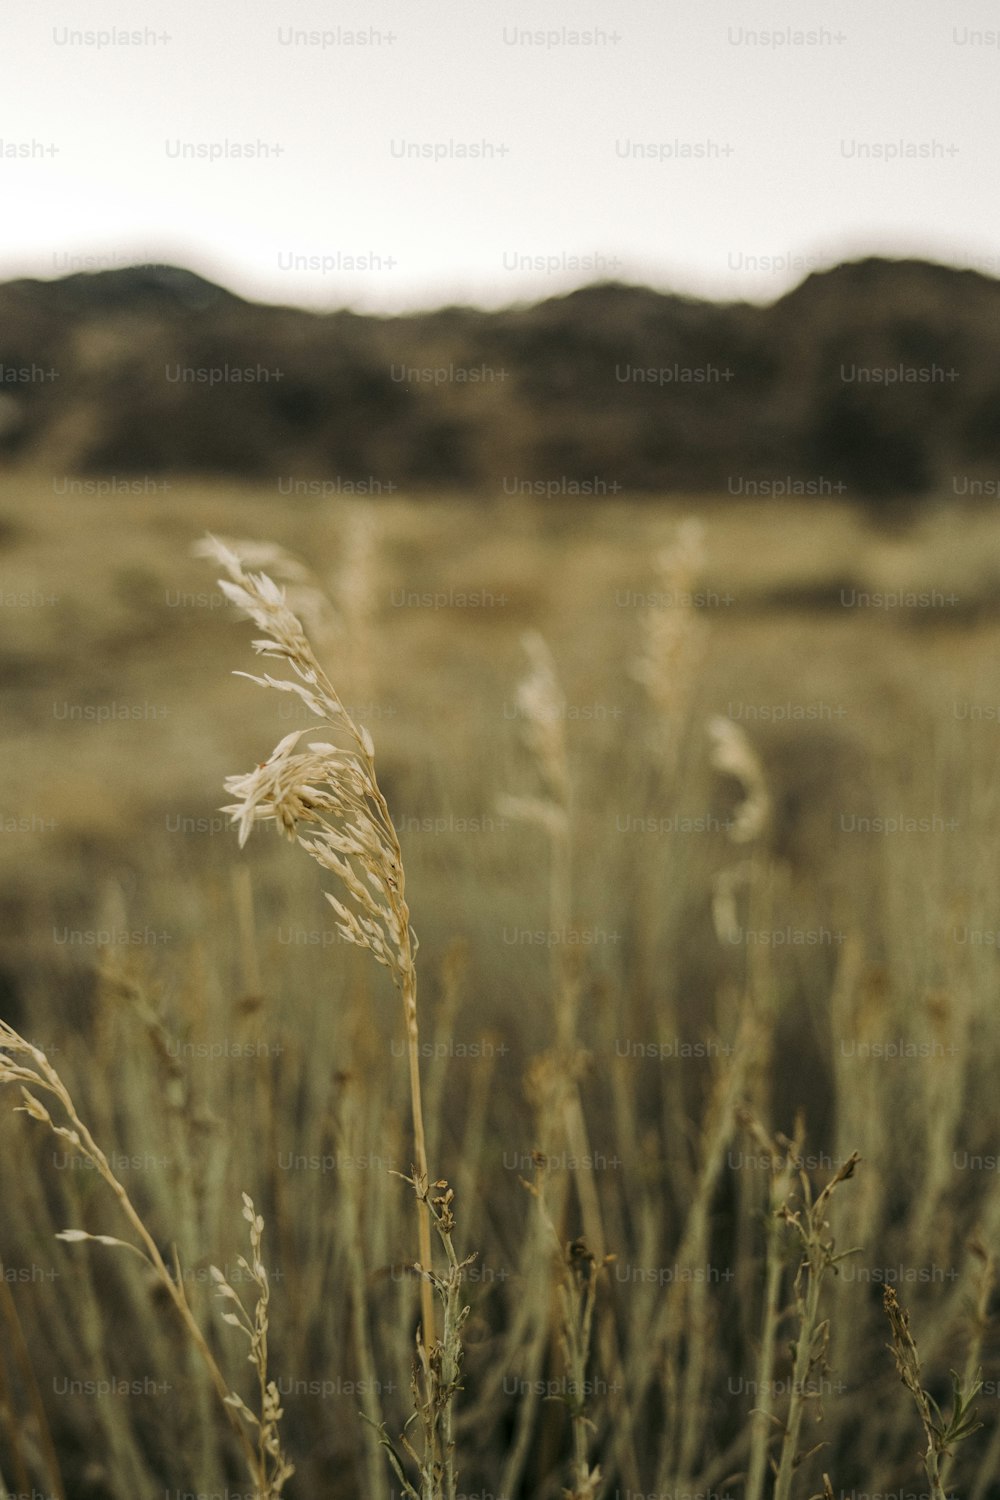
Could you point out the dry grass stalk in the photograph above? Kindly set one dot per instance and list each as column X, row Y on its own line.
column 18, row 1430
column 577, row 1295
column 440, row 1365
column 673, row 637
column 943, row 1433
column 554, row 1079
column 681, row 1319
column 119, row 987
column 542, row 707
column 733, row 755
column 577, row 1279
column 981, row 1320
column 673, row 640
column 640, row 1217
column 271, row 1461
column 950, row 1024
column 27, row 1066
column 687, row 1305
column 453, row 972
column 808, row 1220
column 348, row 1135
column 782, row 1186
column 333, row 793
column 304, row 594
column 858, row 1008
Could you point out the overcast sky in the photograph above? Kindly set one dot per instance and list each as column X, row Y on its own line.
column 691, row 144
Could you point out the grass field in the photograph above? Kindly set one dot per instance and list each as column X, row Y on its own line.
column 627, row 988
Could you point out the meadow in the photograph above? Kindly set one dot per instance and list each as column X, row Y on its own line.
column 672, row 977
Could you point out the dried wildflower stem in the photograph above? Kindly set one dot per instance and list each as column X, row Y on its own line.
column 440, row 1365
column 987, row 1282
column 577, row 1295
column 357, row 842
column 409, row 994
column 673, row 641
column 684, row 1311
column 529, row 1332
column 806, row 1218
column 443, row 1364
column 273, row 1468
column 689, row 1412
column 943, row 1433
column 818, row 1256
column 733, row 755
column 364, row 1353
column 782, row 1183
column 908, row 1365
column 118, row 987
column 556, row 1075
column 41, row 1075
column 577, row 1289
column 980, row 1323
column 542, row 709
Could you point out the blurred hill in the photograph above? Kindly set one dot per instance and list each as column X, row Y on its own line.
column 877, row 379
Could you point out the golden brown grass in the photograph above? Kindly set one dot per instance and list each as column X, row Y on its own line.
column 334, row 796
column 679, row 1343
column 28, row 1067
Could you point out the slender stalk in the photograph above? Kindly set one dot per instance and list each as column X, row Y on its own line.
column 980, row 1323
column 943, row 1432
column 809, row 1222
column 420, row 1151
column 358, row 843
column 805, row 1358
column 43, row 1076
column 22, row 1358
column 762, row 1424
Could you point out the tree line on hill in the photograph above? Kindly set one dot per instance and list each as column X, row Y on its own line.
column 877, row 380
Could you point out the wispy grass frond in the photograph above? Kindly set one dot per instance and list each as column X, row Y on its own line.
column 327, row 798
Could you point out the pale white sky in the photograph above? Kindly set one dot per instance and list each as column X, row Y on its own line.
column 696, row 142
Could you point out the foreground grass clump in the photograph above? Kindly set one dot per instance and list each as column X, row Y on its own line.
column 266, row 1464
column 659, row 1303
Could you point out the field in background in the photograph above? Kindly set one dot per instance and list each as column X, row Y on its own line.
column 105, row 610
column 120, row 720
